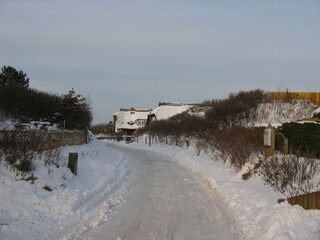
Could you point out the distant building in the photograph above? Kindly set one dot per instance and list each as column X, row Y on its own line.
column 128, row 120
column 167, row 110
column 312, row 96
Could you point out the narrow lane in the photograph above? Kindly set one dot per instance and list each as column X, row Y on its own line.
column 165, row 202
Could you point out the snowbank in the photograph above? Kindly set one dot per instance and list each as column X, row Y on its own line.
column 79, row 203
column 75, row 204
column 253, row 204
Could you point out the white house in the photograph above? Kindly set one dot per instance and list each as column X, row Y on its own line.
column 130, row 119
column 127, row 120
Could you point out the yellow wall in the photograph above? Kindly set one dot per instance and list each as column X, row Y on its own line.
column 312, row 96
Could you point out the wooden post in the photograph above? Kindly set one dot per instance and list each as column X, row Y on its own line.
column 269, row 141
column 73, row 163
column 50, row 140
column 285, row 146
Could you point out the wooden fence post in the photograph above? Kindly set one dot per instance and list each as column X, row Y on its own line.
column 73, row 163
column 269, row 141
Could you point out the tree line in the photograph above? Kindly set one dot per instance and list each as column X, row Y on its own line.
column 19, row 101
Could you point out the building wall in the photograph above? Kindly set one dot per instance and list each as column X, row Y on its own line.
column 130, row 119
column 312, row 96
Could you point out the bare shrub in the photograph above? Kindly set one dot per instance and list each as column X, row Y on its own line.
column 24, row 165
column 21, row 148
column 18, row 152
column 202, row 145
column 290, row 174
column 52, row 157
column 237, row 143
column 19, row 161
column 237, row 109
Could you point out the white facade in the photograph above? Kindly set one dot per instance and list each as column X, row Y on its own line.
column 130, row 119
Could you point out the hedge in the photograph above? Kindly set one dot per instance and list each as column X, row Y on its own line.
column 304, row 137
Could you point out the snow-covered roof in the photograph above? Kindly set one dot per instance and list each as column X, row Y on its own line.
column 165, row 111
column 131, row 118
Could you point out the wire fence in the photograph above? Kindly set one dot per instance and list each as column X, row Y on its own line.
column 41, row 140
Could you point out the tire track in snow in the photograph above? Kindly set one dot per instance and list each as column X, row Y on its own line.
column 94, row 209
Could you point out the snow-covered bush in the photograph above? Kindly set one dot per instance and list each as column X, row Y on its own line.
column 291, row 175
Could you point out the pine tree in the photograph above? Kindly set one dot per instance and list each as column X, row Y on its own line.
column 75, row 112
column 10, row 77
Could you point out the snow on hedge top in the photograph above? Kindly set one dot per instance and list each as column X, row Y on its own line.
column 6, row 124
column 279, row 112
column 316, row 111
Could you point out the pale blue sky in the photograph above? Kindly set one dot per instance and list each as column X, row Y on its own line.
column 136, row 53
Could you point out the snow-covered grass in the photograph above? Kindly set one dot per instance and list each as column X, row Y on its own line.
column 279, row 112
column 253, row 204
column 75, row 204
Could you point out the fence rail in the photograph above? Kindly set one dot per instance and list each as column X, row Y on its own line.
column 307, row 201
column 41, row 140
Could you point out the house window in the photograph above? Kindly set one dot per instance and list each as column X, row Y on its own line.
column 141, row 121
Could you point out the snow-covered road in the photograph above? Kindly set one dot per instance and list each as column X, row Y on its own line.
column 165, row 202
column 157, row 192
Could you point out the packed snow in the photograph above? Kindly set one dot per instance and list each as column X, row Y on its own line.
column 80, row 203
column 166, row 202
column 253, row 203
column 71, row 204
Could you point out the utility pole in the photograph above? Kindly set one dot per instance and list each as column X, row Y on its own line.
column 150, row 120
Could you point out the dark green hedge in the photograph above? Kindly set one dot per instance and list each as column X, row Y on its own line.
column 304, row 137
column 29, row 104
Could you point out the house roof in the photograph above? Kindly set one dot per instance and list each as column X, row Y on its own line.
column 165, row 111
column 126, row 118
